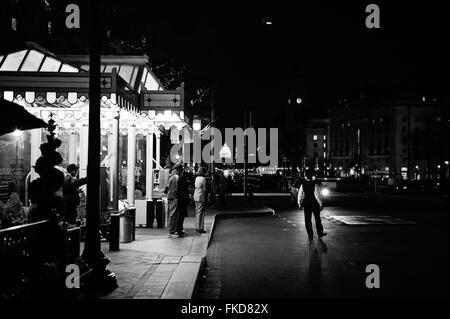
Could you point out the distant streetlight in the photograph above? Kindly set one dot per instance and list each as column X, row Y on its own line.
column 299, row 100
column 197, row 125
column 446, row 162
column 17, row 133
column 268, row 22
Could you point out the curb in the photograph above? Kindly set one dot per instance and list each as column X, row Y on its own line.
column 266, row 211
column 196, row 285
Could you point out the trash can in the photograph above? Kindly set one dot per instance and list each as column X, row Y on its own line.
column 127, row 225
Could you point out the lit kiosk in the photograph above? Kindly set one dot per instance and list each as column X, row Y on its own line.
column 135, row 110
column 166, row 110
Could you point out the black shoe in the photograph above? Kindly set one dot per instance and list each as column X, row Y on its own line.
column 201, row 231
column 322, row 235
column 181, row 233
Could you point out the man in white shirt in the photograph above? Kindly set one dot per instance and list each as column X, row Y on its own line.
column 310, row 199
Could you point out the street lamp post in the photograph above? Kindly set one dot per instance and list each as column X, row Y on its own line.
column 101, row 277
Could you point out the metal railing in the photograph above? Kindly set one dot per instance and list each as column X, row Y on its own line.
column 33, row 258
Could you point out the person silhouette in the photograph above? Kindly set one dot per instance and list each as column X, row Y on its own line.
column 310, row 199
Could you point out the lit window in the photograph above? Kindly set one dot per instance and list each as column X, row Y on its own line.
column 109, row 67
column 151, row 83
column 13, row 61
column 126, row 72
column 324, row 154
column 324, row 137
column 14, row 24
column 50, row 65
column 324, row 145
column 68, row 68
column 315, row 137
column 32, row 62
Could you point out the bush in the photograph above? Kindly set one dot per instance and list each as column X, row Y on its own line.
column 13, row 213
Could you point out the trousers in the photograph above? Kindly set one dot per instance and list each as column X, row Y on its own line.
column 309, row 211
column 173, row 215
column 199, row 215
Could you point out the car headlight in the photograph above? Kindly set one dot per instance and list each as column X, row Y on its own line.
column 325, row 192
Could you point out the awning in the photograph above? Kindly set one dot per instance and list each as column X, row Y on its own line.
column 15, row 117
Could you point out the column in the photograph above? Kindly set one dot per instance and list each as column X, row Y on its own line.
column 35, row 151
column 158, row 149
column 73, row 148
column 114, row 163
column 149, row 166
column 131, row 163
column 84, row 146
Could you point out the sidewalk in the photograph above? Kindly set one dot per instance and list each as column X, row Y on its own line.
column 156, row 267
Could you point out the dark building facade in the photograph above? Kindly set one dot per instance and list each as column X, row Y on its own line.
column 316, row 144
column 403, row 138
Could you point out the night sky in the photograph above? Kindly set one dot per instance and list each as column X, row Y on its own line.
column 324, row 46
column 320, row 52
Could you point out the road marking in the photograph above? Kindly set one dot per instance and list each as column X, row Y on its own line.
column 370, row 220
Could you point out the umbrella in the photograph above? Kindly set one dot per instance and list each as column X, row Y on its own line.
column 15, row 117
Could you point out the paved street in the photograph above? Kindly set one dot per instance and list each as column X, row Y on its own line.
column 271, row 257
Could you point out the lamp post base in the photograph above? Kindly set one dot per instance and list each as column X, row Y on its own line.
column 100, row 280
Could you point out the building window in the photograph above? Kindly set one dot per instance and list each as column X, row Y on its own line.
column 324, row 145
column 14, row 24
column 324, row 154
column 324, row 137
column 315, row 137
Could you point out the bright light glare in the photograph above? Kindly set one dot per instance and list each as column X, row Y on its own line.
column 325, row 192
column 17, row 133
column 197, row 125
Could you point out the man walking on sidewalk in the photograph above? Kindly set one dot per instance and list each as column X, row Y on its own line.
column 310, row 198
